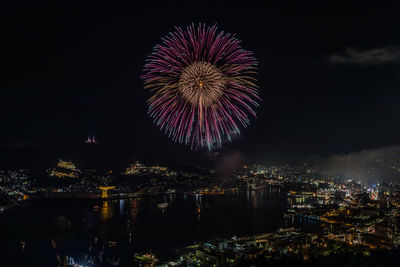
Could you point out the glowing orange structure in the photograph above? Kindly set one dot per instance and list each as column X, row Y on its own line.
column 104, row 190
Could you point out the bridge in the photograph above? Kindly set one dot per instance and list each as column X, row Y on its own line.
column 104, row 190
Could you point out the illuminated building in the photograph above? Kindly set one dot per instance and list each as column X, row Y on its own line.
column 374, row 192
column 91, row 140
column 64, row 169
column 66, row 165
column 147, row 259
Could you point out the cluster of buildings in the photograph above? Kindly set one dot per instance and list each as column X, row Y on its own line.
column 324, row 216
column 139, row 168
column 14, row 185
column 264, row 248
column 154, row 179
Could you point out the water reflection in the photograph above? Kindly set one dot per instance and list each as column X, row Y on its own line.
column 106, row 210
column 134, row 209
column 122, row 206
column 141, row 225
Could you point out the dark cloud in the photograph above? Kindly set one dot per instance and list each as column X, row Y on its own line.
column 375, row 56
column 381, row 164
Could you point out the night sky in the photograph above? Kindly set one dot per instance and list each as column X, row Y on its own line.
column 329, row 75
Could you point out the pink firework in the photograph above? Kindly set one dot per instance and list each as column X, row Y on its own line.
column 203, row 86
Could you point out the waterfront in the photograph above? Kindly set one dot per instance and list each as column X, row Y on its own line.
column 136, row 224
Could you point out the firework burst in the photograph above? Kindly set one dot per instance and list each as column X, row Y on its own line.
column 203, row 86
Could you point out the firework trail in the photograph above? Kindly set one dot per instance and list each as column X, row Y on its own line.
column 203, row 86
